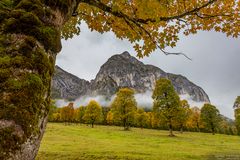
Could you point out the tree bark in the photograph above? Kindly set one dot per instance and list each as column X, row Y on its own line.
column 29, row 42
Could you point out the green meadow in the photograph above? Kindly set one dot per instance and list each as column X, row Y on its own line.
column 81, row 142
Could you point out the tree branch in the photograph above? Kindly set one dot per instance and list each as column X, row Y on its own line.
column 104, row 7
column 138, row 21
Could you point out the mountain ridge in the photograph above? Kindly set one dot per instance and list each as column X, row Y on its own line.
column 121, row 70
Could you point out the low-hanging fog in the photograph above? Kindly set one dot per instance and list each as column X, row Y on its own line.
column 144, row 100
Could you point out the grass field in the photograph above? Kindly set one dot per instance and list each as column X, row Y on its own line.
column 80, row 142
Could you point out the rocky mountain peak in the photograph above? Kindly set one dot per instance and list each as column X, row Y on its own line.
column 124, row 70
column 126, row 54
column 123, row 59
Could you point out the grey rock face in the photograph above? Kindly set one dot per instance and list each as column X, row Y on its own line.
column 67, row 86
column 123, row 70
column 183, row 86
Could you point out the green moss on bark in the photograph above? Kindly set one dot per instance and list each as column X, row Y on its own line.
column 7, row 4
column 28, row 23
column 29, row 42
column 7, row 141
column 5, row 61
column 28, row 45
column 4, row 75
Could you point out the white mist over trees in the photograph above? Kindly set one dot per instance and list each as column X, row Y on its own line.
column 143, row 100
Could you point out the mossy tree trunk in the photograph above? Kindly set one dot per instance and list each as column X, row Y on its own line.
column 29, row 43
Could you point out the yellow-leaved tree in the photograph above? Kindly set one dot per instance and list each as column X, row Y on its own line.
column 67, row 113
column 93, row 113
column 141, row 118
column 194, row 123
column 109, row 118
column 183, row 115
column 237, row 114
column 166, row 103
column 30, row 34
column 124, row 107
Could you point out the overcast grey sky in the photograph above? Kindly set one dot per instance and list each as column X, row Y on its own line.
column 215, row 65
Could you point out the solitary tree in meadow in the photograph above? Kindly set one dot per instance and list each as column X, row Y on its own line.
column 237, row 114
column 124, row 107
column 93, row 113
column 30, row 38
column 210, row 116
column 166, row 102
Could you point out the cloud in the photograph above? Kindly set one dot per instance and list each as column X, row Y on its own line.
column 83, row 101
column 144, row 100
column 190, row 101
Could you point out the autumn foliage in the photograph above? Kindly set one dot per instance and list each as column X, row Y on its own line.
column 123, row 111
column 124, row 107
column 156, row 23
column 93, row 113
column 166, row 103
